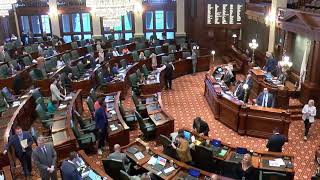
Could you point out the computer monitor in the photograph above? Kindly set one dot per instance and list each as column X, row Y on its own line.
column 241, row 150
column 194, row 173
column 162, row 161
column 187, row 135
column 216, row 143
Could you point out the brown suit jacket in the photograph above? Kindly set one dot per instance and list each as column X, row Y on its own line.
column 183, row 151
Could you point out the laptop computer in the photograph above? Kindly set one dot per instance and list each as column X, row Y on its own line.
column 187, row 135
column 160, row 164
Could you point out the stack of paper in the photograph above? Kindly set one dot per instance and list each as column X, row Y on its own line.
column 113, row 127
column 16, row 103
column 222, row 152
column 168, row 170
column 139, row 155
column 62, row 106
column 112, row 112
column 276, row 162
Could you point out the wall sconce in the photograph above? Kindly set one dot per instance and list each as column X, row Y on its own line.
column 213, row 52
column 253, row 45
column 234, row 36
column 270, row 19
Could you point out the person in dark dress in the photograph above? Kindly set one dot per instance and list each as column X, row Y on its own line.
column 246, row 170
column 200, row 126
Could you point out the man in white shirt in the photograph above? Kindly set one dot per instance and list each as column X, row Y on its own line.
column 115, row 52
column 309, row 111
column 56, row 95
column 60, row 63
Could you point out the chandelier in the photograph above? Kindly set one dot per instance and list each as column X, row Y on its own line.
column 111, row 10
column 5, row 6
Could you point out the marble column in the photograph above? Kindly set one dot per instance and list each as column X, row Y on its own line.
column 54, row 17
column 180, row 11
column 138, row 21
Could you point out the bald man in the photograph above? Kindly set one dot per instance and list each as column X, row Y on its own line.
column 118, row 155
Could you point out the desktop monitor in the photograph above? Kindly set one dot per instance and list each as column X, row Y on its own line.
column 162, row 161
column 241, row 150
column 216, row 143
column 187, row 135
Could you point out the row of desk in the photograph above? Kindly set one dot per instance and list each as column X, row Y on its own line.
column 245, row 119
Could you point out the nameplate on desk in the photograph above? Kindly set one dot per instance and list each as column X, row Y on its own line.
column 62, row 106
column 276, row 162
column 16, row 103
column 152, row 161
column 168, row 170
column 68, row 98
column 113, row 127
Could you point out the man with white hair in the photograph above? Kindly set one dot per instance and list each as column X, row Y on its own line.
column 271, row 63
column 309, row 111
column 118, row 155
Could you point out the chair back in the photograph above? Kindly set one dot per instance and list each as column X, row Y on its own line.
column 49, row 66
column 75, row 71
column 147, row 53
column 135, row 56
column 124, row 175
column 171, row 57
column 83, row 42
column 74, row 54
column 3, row 103
column 36, row 94
column 113, row 167
column 7, row 95
column 4, row 71
column 140, row 46
column 158, row 50
column 171, row 48
column 203, row 158
column 41, row 113
column 81, row 67
column 93, row 95
column 14, row 63
column 27, row 60
column 186, row 54
column 101, row 78
column 74, row 45
column 89, row 49
column 90, row 104
column 164, row 140
column 164, row 59
column 36, row 74
column 42, row 104
column 123, row 63
column 145, row 70
column 133, row 78
column 135, row 99
column 229, row 168
column 266, row 175
column 138, row 72
column 66, row 57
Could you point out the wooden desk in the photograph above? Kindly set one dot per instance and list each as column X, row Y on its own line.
column 244, row 119
column 89, row 162
column 85, row 83
column 152, row 84
column 7, row 173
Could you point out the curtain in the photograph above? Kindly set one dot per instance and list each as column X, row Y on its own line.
column 303, row 68
column 170, row 20
column 149, row 20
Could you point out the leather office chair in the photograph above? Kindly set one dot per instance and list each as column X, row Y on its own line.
column 90, row 104
column 164, row 59
column 84, row 140
column 45, row 119
column 171, row 57
column 167, row 148
column 28, row 49
column 27, row 60
column 36, row 75
column 135, row 56
column 4, row 71
column 14, row 63
column 74, row 55
column 83, row 42
column 66, row 57
column 265, row 175
column 113, row 167
column 81, row 67
column 129, row 117
column 228, row 169
column 124, row 175
column 140, row 46
column 74, row 45
column 186, row 54
column 87, row 125
column 203, row 159
column 146, row 125
column 133, row 83
column 36, row 94
column 111, row 38
column 123, row 63
column 49, row 66
column 180, row 40
column 138, row 72
column 3, row 104
column 145, row 70
column 102, row 80
column 141, row 108
column 158, row 50
column 147, row 53
column 93, row 95
column 89, row 48
column 75, row 72
column 171, row 48
column 8, row 96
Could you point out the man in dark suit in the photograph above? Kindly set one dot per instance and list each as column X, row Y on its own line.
column 44, row 156
column 101, row 120
column 249, row 81
column 69, row 168
column 276, row 141
column 239, row 92
column 118, row 155
column 271, row 64
column 200, row 126
column 21, row 142
column 168, row 69
column 265, row 99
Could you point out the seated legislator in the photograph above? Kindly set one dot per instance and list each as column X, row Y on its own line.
column 115, row 69
column 265, row 99
column 276, row 141
column 249, row 81
column 69, row 168
column 271, row 64
column 183, row 149
column 228, row 76
column 239, row 91
column 200, row 126
column 118, row 155
column 125, row 50
column 115, row 52
column 246, row 170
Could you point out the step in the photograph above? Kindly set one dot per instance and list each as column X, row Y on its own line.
column 295, row 111
column 296, row 117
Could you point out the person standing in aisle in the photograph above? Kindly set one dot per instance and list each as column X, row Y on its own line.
column 309, row 111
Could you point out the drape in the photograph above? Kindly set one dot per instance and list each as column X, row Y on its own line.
column 303, row 68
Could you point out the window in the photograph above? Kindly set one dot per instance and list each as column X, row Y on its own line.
column 76, row 26
column 159, row 21
column 124, row 30
column 37, row 25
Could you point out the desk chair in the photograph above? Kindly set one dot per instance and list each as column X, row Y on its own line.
column 66, row 57
column 135, row 56
column 158, row 50
column 141, row 108
column 87, row 125
column 89, row 49
column 4, row 71
column 167, row 148
column 140, row 46
column 146, row 125
column 147, row 53
column 3, row 104
column 102, row 80
column 84, row 139
column 74, row 45
column 75, row 55
column 113, row 167
column 138, row 72
column 186, row 54
column 50, row 66
column 75, row 72
column 203, row 159
column 36, row 94
column 93, row 95
column 145, row 70
column 165, row 59
column 171, row 48
column 81, row 68
column 36, row 75
column 45, row 119
column 8, row 96
column 27, row 60
column 133, row 78
column 180, row 40
column 123, row 63
column 265, row 175
column 124, row 175
column 14, row 63
column 228, row 169
column 129, row 117
column 83, row 42
column 90, row 105
column 171, row 57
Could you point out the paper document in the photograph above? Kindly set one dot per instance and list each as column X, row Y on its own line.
column 113, row 127
column 62, row 106
column 168, row 170
column 113, row 112
column 139, row 155
column 222, row 152
column 68, row 98
column 16, row 103
column 152, row 161
column 193, row 138
column 24, row 143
